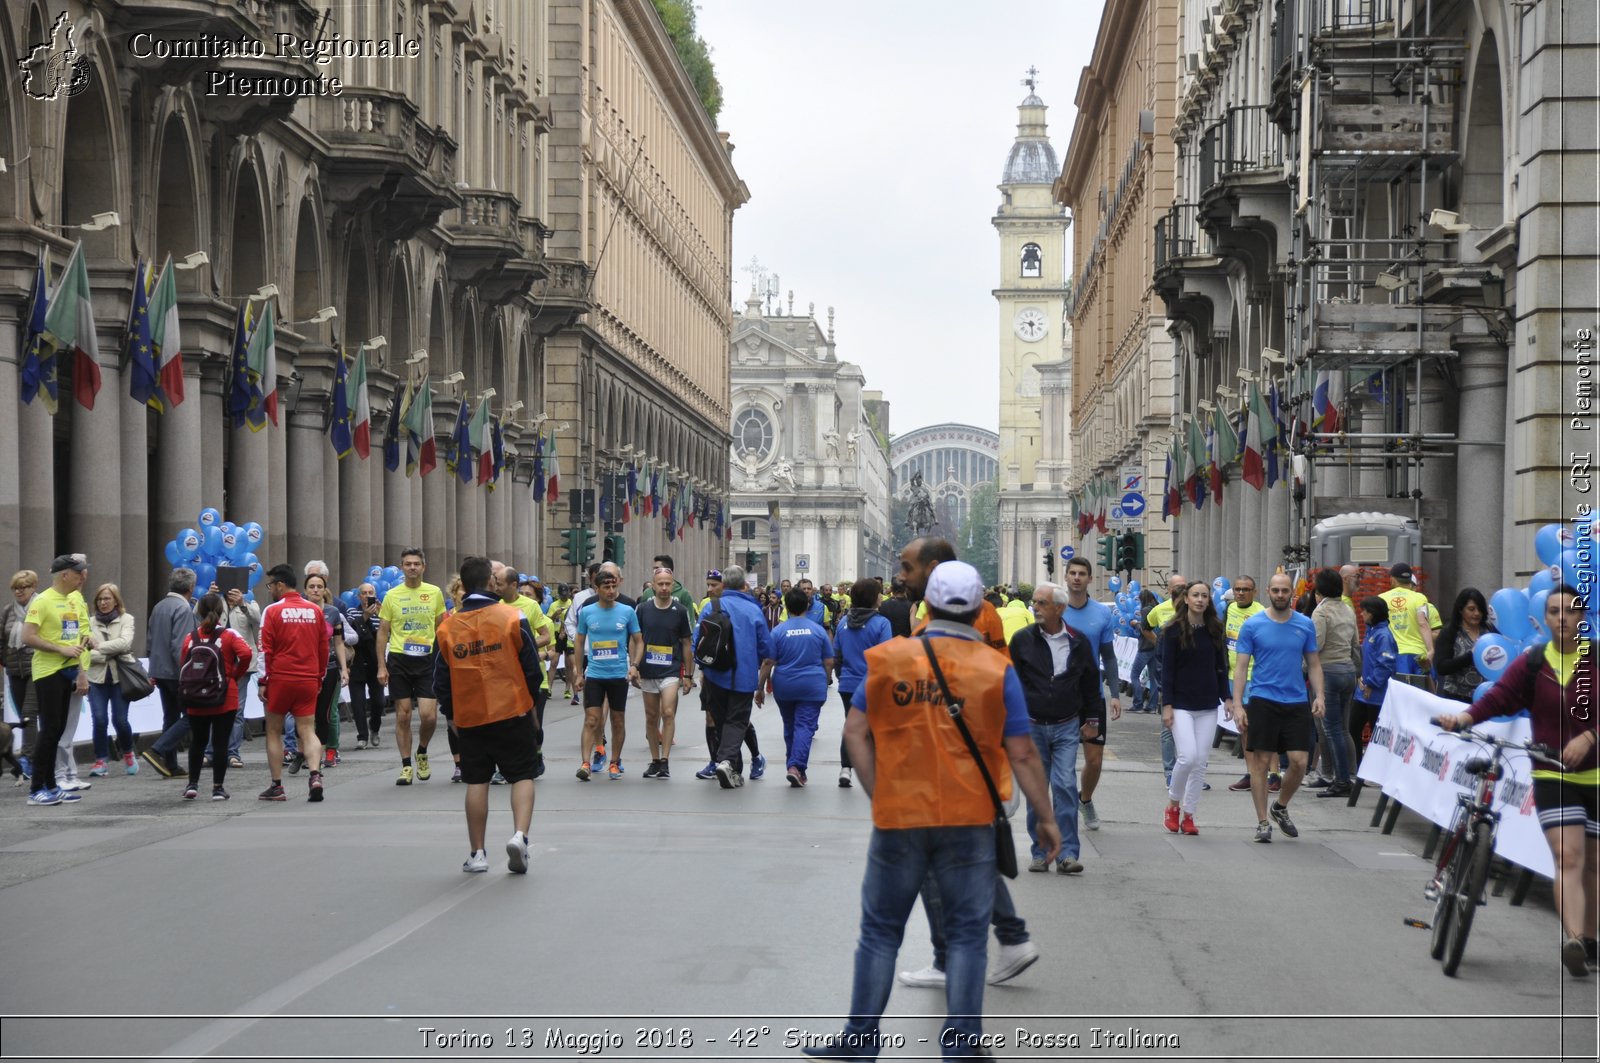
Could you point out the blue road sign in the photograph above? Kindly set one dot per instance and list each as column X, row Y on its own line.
column 1067, row 552
column 1132, row 504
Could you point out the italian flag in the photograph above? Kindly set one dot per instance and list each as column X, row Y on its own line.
column 70, row 325
column 1259, row 435
column 261, row 358
column 482, row 432
column 1225, row 448
column 360, row 405
column 553, row 492
column 419, row 425
column 164, row 335
column 1175, row 475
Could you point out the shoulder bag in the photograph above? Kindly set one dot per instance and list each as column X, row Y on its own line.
column 1005, row 847
column 132, row 678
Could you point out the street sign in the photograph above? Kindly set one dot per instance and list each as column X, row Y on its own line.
column 1048, row 542
column 1067, row 552
column 1132, row 478
column 802, row 562
column 1132, row 504
column 1118, row 518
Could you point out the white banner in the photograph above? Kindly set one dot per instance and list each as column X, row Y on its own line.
column 1419, row 766
column 1127, row 649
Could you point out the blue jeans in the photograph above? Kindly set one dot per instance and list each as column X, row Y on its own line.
column 1009, row 927
column 961, row 860
column 1145, row 695
column 101, row 697
column 799, row 725
column 1338, row 689
column 238, row 718
column 1058, row 748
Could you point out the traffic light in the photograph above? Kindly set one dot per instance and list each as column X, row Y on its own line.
column 1108, row 553
column 1049, row 563
column 1130, row 551
column 578, row 545
column 615, row 549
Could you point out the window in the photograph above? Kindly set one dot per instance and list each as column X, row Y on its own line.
column 752, row 434
column 1032, row 260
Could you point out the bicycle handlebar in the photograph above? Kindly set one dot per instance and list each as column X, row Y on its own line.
column 1535, row 751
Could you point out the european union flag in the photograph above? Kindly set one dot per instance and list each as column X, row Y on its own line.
column 38, row 362
column 343, row 440
column 143, row 376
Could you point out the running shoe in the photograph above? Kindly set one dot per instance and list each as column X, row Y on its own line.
column 666, row 771
column 1068, row 867
column 1336, row 789
column 424, row 773
column 1242, row 785
column 405, row 776
column 707, row 772
column 1041, row 864
column 653, row 770
column 727, row 776
column 517, row 853
column 1280, row 816
column 1274, row 782
column 273, row 793
column 844, row 778
column 219, row 794
column 583, row 772
column 1012, row 961
column 758, row 766
column 235, row 762
column 1573, row 956
column 929, row 977
column 614, row 771
column 476, row 863
column 597, row 762
column 191, row 792
column 1170, row 819
column 1187, row 825
column 315, row 793
column 159, row 764
column 45, row 797
column 1263, row 831
column 793, row 775
column 496, row 779
column 74, row 783
column 361, row 743
column 1091, row 818
column 99, row 770
column 130, row 765
column 296, row 762
column 455, row 775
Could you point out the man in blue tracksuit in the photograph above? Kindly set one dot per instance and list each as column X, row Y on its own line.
column 727, row 694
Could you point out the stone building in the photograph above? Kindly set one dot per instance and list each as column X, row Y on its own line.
column 420, row 203
column 810, row 462
column 1032, row 292
column 1116, row 180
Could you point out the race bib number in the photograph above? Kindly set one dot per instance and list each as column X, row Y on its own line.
column 418, row 649
column 658, row 655
column 69, row 631
column 604, row 651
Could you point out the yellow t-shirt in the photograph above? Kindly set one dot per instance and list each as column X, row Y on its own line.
column 1160, row 614
column 537, row 622
column 1237, row 615
column 62, row 618
column 413, row 617
column 1564, row 664
column 1403, row 605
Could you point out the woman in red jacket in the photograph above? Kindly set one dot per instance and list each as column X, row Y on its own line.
column 1559, row 685
column 213, row 721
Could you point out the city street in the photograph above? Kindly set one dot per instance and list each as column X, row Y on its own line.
column 677, row 920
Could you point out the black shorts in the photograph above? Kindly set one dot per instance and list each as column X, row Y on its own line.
column 1564, row 804
column 1279, row 726
column 410, row 677
column 510, row 745
column 1100, row 721
column 597, row 692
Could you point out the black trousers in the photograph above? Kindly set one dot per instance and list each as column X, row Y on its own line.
column 730, row 717
column 215, row 729
column 27, row 710
column 54, row 694
column 366, row 700
column 327, row 702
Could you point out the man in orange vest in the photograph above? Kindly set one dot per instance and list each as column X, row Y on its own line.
column 486, row 676
column 932, row 812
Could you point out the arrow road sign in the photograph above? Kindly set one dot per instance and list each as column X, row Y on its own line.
column 1067, row 552
column 1132, row 504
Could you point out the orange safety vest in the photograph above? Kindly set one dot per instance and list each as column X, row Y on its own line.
column 486, row 681
column 989, row 625
column 926, row 776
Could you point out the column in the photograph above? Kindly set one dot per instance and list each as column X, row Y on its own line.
column 438, row 530
column 469, row 519
column 1279, row 512
column 94, row 496
column 12, row 550
column 134, row 504
column 275, row 520
column 36, row 508
column 414, row 514
column 396, row 514
column 212, row 396
column 303, row 519
column 179, row 487
column 356, row 553
column 1480, row 461
column 499, row 517
column 249, row 482
column 331, row 475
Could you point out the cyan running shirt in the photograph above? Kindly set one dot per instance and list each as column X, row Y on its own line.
column 1277, row 652
column 606, row 632
column 1094, row 622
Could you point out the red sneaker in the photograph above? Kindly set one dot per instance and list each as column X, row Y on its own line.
column 1187, row 826
column 1171, row 819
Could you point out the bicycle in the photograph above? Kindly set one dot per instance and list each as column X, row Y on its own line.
column 1462, row 872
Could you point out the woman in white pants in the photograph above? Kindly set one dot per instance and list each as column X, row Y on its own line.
column 1193, row 649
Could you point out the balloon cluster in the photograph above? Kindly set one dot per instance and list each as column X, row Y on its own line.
column 383, row 579
column 1518, row 613
column 1222, row 594
column 213, row 542
column 1127, row 605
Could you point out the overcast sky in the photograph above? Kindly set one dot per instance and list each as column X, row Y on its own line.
column 872, row 135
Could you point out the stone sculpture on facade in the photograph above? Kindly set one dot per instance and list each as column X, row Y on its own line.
column 830, row 441
column 783, row 475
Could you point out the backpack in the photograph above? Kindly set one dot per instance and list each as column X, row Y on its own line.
column 714, row 647
column 202, row 682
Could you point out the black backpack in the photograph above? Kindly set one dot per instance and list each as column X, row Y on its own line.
column 714, row 647
column 202, row 682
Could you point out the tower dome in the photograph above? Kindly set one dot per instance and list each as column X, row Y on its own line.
column 1032, row 160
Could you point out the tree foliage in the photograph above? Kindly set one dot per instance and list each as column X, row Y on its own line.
column 979, row 541
column 693, row 52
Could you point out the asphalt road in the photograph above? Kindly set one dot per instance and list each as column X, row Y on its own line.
column 675, row 920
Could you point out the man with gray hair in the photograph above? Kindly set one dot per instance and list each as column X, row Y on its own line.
column 171, row 621
column 729, row 692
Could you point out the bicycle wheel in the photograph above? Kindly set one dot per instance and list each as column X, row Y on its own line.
column 1474, row 874
column 1444, row 906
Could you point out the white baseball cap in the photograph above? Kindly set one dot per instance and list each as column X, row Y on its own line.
column 954, row 587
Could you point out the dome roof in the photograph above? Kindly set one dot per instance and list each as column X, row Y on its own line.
column 1031, row 162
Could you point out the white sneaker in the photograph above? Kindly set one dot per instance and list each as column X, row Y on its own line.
column 1091, row 819
column 929, row 977
column 845, row 775
column 517, row 853
column 478, row 861
column 1012, row 961
column 73, row 784
column 727, row 777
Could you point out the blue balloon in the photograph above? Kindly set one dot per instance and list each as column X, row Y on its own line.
column 1541, row 582
column 1134, row 588
column 392, row 574
column 1481, row 689
column 241, row 549
column 210, row 518
column 1114, row 584
column 249, row 596
column 212, row 536
column 253, row 534
column 374, row 573
column 205, row 574
column 1549, row 541
column 1492, row 655
column 1508, row 612
column 349, row 599
column 1221, row 585
column 254, row 577
column 189, row 544
column 173, row 556
column 249, row 560
column 228, row 526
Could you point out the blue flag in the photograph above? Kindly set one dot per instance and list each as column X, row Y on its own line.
column 240, row 395
column 340, row 428
column 143, row 376
column 38, row 361
column 460, row 459
column 391, row 433
column 538, row 470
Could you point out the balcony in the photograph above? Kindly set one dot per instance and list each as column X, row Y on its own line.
column 561, row 296
column 378, row 152
column 1382, row 334
column 1176, row 234
column 492, row 247
column 1190, row 278
column 1242, row 142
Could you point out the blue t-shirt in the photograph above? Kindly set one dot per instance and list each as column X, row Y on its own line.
column 1017, row 722
column 1276, row 653
column 799, row 646
column 607, row 631
column 850, row 646
column 1095, row 622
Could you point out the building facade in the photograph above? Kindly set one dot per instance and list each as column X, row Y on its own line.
column 1116, row 180
column 953, row 460
column 1030, row 297
column 810, row 465
column 418, row 203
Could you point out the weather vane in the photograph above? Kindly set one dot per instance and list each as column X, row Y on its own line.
column 1032, row 80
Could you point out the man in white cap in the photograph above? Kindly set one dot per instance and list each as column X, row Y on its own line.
column 905, row 742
